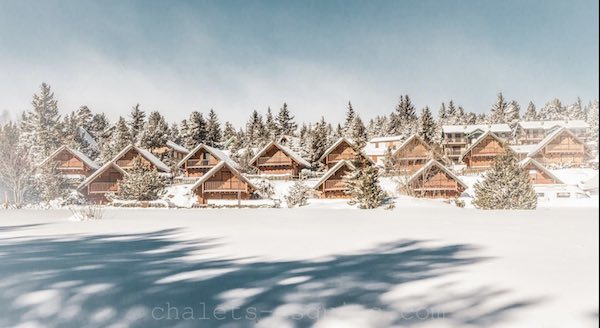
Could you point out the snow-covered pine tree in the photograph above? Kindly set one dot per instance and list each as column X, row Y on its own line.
column 318, row 143
column 481, row 118
column 363, row 186
column 98, row 126
column 470, row 118
column 84, row 117
column 142, row 183
column 460, row 115
column 349, row 121
column 243, row 158
column 442, row 115
column 270, row 124
column 530, row 113
column 404, row 121
column 41, row 131
column 196, row 130
column 120, row 138
column 390, row 161
column 592, row 120
column 174, row 134
column 285, row 122
column 298, row 194
column 512, row 118
column 358, row 132
column 575, row 111
column 451, row 113
column 256, row 132
column 16, row 168
column 498, row 111
column 427, row 126
column 228, row 131
column 49, row 183
column 156, row 132
column 505, row 186
column 552, row 110
column 213, row 129
column 136, row 123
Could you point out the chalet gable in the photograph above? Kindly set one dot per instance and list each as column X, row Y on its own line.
column 486, row 136
column 148, row 156
column 218, row 154
column 551, row 137
column 85, row 160
column 334, row 169
column 433, row 164
column 220, row 166
column 285, row 150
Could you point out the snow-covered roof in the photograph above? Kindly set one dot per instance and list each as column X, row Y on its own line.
column 332, row 171
column 292, row 154
column 551, row 137
column 591, row 184
column 144, row 153
column 216, row 169
column 547, row 125
column 83, row 157
column 537, row 164
column 371, row 150
column 433, row 162
column 85, row 135
column 99, row 171
column 177, row 147
column 387, row 139
column 470, row 128
column 411, row 138
column 478, row 140
column 217, row 153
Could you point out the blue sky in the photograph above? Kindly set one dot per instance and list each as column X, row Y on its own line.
column 236, row 56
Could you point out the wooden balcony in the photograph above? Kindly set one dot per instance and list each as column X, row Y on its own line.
column 224, row 186
column 200, row 163
column 455, row 141
column 340, row 157
column 274, row 161
column 103, row 187
column 337, row 184
column 124, row 163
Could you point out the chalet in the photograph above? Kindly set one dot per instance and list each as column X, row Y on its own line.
column 532, row 132
column 276, row 159
column 172, row 150
column 561, row 147
column 483, row 151
column 457, row 138
column 201, row 159
column 332, row 185
column 377, row 147
column 222, row 182
column 124, row 159
column 342, row 149
column 72, row 164
column 538, row 174
column 434, row 180
column 412, row 154
column 105, row 180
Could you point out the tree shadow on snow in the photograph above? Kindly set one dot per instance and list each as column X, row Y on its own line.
column 148, row 280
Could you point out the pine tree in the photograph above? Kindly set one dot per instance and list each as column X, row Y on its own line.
column 318, row 142
column 270, row 124
column 350, row 116
column 575, row 111
column 592, row 120
column 390, row 161
column 156, row 132
column 49, row 183
column 41, row 131
column 505, row 186
column 83, row 117
column 553, row 110
column 196, row 130
column 512, row 118
column 99, row 124
column 363, row 186
column 256, row 132
column 530, row 113
column 174, row 134
column 442, row 115
column 142, row 183
column 213, row 129
column 451, row 113
column 298, row 194
column 427, row 127
column 498, row 112
column 16, row 168
column 137, row 122
column 358, row 132
column 285, row 122
column 120, row 138
column 404, row 120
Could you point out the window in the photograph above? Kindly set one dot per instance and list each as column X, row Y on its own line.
column 563, row 195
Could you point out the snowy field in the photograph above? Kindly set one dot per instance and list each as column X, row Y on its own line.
column 433, row 265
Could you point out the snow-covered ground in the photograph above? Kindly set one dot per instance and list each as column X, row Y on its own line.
column 422, row 264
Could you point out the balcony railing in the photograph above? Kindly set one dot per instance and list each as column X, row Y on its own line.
column 337, row 184
column 340, row 157
column 224, row 186
column 101, row 187
column 124, row 163
column 274, row 161
column 201, row 163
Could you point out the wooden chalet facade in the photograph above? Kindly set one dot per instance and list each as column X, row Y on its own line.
column 276, row 159
column 222, row 182
column 412, row 154
column 124, row 159
column 71, row 164
column 104, row 180
column 561, row 147
column 538, row 174
column 332, row 184
column 172, row 150
column 342, row 150
column 483, row 151
column 201, row 160
column 434, row 180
